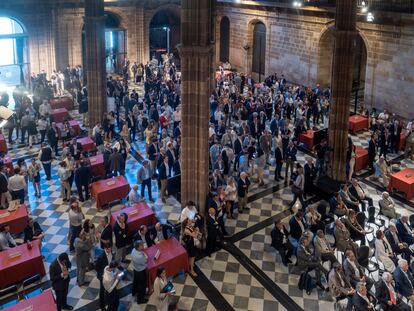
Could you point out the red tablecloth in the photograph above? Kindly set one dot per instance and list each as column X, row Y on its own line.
column 361, row 158
column 42, row 302
column 105, row 193
column 62, row 102
column 59, row 115
column 401, row 145
column 74, row 126
column 403, row 183
column 307, row 139
column 8, row 162
column 97, row 165
column 13, row 270
column 357, row 123
column 87, row 144
column 138, row 214
column 173, row 257
column 17, row 220
column 3, row 145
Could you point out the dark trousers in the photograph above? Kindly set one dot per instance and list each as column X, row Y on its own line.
column 112, row 300
column 48, row 170
column 42, row 135
column 76, row 230
column 146, row 183
column 101, row 295
column 139, row 284
column 81, row 190
column 211, row 244
column 24, row 130
column 11, row 134
column 54, row 146
column 70, row 180
column 278, row 170
column 18, row 195
column 285, row 251
column 61, row 297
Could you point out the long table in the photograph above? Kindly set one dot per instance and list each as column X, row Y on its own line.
column 357, row 123
column 17, row 220
column 97, row 165
column 62, row 102
column 59, row 115
column 361, row 158
column 403, row 181
column 307, row 139
column 87, row 144
column 138, row 214
column 3, row 144
column 109, row 190
column 74, row 125
column 173, row 257
column 16, row 269
column 44, row 301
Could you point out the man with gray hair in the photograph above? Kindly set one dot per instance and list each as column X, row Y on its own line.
column 397, row 245
column 387, row 297
column 404, row 281
column 360, row 300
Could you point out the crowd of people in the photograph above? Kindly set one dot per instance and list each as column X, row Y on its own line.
column 254, row 130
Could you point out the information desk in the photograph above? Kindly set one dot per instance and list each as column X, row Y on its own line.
column 403, row 181
column 357, row 123
column 138, row 214
column 43, row 301
column 109, row 190
column 19, row 263
column 17, row 220
column 173, row 257
column 59, row 115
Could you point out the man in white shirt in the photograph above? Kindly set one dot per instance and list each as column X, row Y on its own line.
column 44, row 109
column 139, row 264
column 6, row 240
column 133, row 195
column 110, row 281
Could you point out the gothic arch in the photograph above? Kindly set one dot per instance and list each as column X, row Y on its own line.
column 224, row 39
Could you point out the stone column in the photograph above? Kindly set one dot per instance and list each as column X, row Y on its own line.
column 196, row 52
column 95, row 59
column 342, row 70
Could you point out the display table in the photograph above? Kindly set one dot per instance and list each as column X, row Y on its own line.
column 173, row 257
column 43, row 301
column 59, row 115
column 403, row 181
column 17, row 220
column 87, row 144
column 62, row 102
column 109, row 190
column 3, row 144
column 357, row 123
column 74, row 125
column 138, row 214
column 16, row 269
column 307, row 139
column 361, row 158
column 7, row 161
column 401, row 144
column 97, row 165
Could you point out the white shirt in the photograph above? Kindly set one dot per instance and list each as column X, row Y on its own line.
column 109, row 280
column 188, row 212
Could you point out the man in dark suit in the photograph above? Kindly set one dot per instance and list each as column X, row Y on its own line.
column 279, row 163
column 386, row 295
column 59, row 275
column 280, row 241
column 52, row 136
column 361, row 301
column 213, row 230
column 101, row 262
column 310, row 174
column 358, row 193
column 405, row 230
column 397, row 245
column 106, row 233
column 372, row 151
column 83, row 178
column 404, row 281
column 163, row 176
column 161, row 232
column 153, row 151
column 4, row 191
column 296, row 225
column 290, row 158
column 145, row 235
column 354, row 271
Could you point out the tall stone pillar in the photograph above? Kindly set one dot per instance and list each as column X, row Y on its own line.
column 95, row 59
column 196, row 52
column 343, row 64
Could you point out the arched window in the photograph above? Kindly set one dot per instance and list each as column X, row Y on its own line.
column 13, row 52
column 224, row 39
column 259, row 49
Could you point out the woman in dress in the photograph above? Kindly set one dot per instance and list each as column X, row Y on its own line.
column 189, row 233
column 34, row 176
column 161, row 298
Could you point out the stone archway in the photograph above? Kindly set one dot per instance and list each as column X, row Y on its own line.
column 224, row 39
column 165, row 33
column 256, row 49
column 325, row 56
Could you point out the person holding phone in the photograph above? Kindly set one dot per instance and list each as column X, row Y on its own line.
column 161, row 297
column 111, row 278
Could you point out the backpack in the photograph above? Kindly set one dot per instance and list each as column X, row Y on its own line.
column 306, row 282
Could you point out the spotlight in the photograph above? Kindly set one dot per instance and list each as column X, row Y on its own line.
column 364, row 9
column 297, row 4
column 370, row 17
